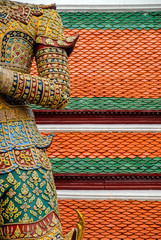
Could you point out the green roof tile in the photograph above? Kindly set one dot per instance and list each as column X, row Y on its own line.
column 106, row 165
column 111, row 103
column 111, row 20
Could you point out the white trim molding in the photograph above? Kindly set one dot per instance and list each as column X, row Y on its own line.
column 109, row 194
column 101, row 5
column 99, row 127
column 109, row 8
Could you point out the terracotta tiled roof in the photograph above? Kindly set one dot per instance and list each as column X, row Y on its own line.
column 34, row 68
column 104, row 152
column 107, row 220
column 120, row 64
column 105, row 144
column 116, row 62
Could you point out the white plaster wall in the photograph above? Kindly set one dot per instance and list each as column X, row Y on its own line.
column 93, row 2
column 99, row 127
column 101, row 5
column 110, row 194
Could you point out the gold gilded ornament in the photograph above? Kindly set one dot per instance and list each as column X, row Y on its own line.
column 10, row 211
column 18, row 233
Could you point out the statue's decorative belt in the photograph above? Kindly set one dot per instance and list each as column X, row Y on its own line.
column 16, row 114
column 27, row 159
column 20, row 135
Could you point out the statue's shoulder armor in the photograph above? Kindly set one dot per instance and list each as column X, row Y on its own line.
column 21, row 11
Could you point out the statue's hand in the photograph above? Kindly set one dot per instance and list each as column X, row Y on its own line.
column 6, row 80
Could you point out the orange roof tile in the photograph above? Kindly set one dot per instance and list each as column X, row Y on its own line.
column 114, row 219
column 105, row 144
column 116, row 63
column 34, row 68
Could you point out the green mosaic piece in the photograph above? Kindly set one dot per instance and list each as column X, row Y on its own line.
column 111, row 20
column 111, row 103
column 106, row 165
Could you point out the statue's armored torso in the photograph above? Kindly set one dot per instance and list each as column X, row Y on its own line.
column 28, row 200
column 18, row 32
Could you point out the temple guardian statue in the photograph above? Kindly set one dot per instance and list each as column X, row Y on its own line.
column 28, row 201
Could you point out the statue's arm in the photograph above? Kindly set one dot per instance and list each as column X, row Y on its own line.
column 52, row 87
